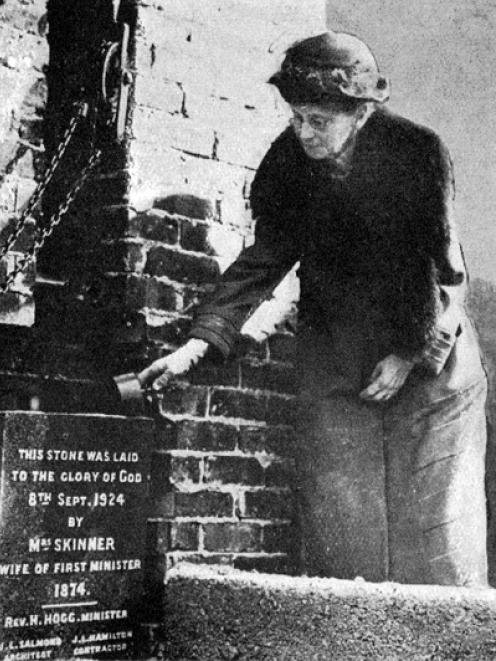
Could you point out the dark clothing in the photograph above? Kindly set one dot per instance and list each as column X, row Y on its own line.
column 382, row 233
column 381, row 272
column 390, row 491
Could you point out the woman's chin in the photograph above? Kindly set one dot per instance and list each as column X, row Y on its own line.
column 317, row 153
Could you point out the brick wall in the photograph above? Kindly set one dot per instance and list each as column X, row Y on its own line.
column 165, row 212
column 23, row 60
column 202, row 119
column 52, row 60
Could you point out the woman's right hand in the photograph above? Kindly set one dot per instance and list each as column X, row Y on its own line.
column 160, row 372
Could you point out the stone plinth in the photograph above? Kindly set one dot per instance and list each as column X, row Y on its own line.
column 219, row 613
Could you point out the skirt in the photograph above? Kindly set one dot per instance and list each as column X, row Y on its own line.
column 394, row 491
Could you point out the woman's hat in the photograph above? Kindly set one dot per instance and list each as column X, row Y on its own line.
column 330, row 66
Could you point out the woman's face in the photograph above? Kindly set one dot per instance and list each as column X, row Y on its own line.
column 324, row 131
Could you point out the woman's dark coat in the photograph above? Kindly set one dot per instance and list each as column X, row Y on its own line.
column 387, row 491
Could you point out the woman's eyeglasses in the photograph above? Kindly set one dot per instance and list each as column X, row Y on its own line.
column 314, row 122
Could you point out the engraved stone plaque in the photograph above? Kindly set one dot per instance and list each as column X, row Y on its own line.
column 73, row 509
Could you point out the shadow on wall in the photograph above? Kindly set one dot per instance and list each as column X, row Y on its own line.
column 190, row 223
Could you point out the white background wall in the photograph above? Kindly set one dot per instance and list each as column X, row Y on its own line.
column 440, row 56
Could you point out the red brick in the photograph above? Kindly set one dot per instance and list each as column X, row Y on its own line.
column 203, row 503
column 232, row 537
column 181, row 398
column 279, row 474
column 278, row 539
column 162, row 296
column 273, row 408
column 200, row 503
column 203, row 436
column 193, row 295
column 234, row 470
column 123, row 256
column 187, row 205
column 179, row 536
column 275, row 440
column 172, row 330
column 253, row 439
column 184, row 469
column 124, row 291
column 232, row 403
column 268, row 505
column 264, row 564
column 211, row 374
column 268, row 376
column 203, row 559
column 133, row 292
column 181, row 266
column 157, row 225
column 194, row 236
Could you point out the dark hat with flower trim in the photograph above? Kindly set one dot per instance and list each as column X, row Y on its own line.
column 328, row 67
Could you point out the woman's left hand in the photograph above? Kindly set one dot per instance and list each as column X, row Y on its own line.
column 387, row 378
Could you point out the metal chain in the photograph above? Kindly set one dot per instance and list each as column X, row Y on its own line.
column 40, row 189
column 55, row 219
column 64, row 206
column 22, row 264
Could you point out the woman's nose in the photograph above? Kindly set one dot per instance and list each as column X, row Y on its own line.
column 306, row 131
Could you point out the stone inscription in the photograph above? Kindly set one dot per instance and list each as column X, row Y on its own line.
column 73, row 514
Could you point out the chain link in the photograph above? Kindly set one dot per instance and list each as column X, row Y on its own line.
column 40, row 189
column 23, row 263
column 82, row 111
column 64, row 206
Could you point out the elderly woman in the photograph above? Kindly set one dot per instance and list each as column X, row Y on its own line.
column 391, row 436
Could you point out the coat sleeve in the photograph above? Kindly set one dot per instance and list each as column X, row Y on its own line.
column 449, row 266
column 260, row 267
